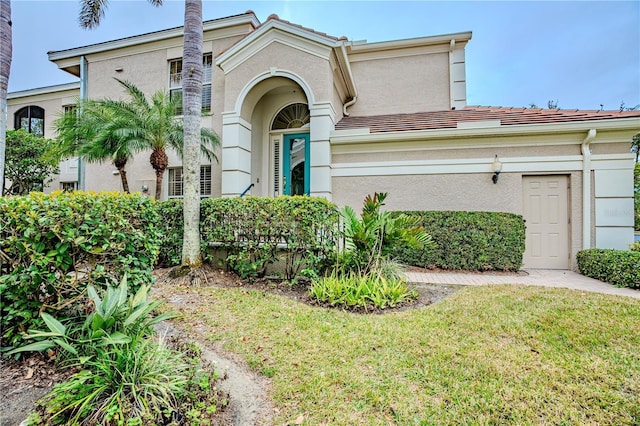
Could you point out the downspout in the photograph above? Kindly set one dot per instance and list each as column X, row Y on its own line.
column 354, row 97
column 83, row 96
column 586, row 189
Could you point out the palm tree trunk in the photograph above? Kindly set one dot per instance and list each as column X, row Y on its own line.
column 159, row 161
column 5, row 68
column 192, row 108
column 120, row 163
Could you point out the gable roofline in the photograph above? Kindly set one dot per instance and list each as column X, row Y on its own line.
column 44, row 90
column 275, row 23
column 246, row 18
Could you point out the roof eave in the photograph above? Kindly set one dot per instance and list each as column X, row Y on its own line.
column 77, row 52
column 363, row 135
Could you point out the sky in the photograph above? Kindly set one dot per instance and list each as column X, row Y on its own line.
column 582, row 54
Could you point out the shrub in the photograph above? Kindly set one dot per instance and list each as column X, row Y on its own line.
column 257, row 231
column 617, row 267
column 468, row 241
column 363, row 291
column 252, row 230
column 53, row 245
column 635, row 246
column 171, row 228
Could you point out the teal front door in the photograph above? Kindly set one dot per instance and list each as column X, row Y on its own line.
column 295, row 179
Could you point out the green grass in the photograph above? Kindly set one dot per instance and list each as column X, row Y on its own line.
column 487, row 355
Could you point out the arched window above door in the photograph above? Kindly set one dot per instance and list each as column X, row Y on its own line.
column 294, row 116
column 31, row 119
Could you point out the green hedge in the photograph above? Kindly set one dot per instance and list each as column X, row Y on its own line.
column 617, row 267
column 256, row 231
column 52, row 246
column 472, row 241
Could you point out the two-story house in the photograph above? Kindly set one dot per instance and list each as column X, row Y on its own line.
column 303, row 112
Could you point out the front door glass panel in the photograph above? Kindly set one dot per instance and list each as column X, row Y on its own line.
column 295, row 180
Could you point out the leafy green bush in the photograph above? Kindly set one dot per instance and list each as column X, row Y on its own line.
column 171, row 228
column 257, row 231
column 52, row 246
column 617, row 267
column 126, row 377
column 468, row 241
column 635, row 246
column 253, row 230
column 364, row 291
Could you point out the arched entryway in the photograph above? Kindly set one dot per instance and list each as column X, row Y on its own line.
column 277, row 139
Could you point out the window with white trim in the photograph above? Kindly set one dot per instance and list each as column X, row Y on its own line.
column 176, row 182
column 68, row 186
column 175, row 81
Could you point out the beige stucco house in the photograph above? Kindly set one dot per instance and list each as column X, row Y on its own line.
column 303, row 112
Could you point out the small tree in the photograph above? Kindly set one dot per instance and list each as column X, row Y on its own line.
column 636, row 189
column 26, row 169
column 635, row 146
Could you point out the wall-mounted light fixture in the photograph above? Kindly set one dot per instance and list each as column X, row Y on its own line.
column 144, row 188
column 496, row 166
column 119, row 69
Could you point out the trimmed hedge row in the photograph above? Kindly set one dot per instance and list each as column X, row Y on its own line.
column 472, row 241
column 52, row 246
column 256, row 231
column 618, row 267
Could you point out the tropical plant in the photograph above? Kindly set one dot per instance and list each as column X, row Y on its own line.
column 116, row 129
column 125, row 376
column 79, row 134
column 25, row 167
column 370, row 238
column 115, row 319
column 354, row 290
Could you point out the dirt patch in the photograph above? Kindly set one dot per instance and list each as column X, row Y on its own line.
column 22, row 383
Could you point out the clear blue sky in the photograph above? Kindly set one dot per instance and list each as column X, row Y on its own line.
column 580, row 53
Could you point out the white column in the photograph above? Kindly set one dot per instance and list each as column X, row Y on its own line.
column 322, row 124
column 236, row 154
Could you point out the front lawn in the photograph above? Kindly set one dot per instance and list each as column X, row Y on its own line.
column 486, row 355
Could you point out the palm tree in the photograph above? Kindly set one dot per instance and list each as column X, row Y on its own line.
column 118, row 129
column 192, row 107
column 78, row 135
column 5, row 68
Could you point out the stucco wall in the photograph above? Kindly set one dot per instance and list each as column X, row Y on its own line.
column 402, row 85
column 52, row 103
column 314, row 70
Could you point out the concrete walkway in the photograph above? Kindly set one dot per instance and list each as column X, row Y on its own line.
column 539, row 277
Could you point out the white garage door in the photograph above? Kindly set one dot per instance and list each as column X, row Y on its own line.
column 546, row 213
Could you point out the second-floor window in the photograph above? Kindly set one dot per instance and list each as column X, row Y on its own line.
column 175, row 81
column 31, row 119
column 176, row 182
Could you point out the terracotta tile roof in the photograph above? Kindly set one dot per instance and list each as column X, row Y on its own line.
column 449, row 119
